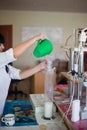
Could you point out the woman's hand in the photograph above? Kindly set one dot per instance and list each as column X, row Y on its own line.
column 40, row 36
column 43, row 65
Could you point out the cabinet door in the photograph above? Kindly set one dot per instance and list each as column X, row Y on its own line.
column 6, row 31
column 39, row 82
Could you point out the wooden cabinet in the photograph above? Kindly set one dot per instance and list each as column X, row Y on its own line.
column 37, row 83
column 37, row 80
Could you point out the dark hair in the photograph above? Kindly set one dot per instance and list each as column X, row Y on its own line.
column 2, row 40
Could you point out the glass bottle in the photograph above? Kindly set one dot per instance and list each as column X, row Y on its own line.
column 49, row 84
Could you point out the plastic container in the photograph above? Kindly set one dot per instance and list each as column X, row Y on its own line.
column 43, row 48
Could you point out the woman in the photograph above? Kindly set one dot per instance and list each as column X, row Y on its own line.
column 8, row 72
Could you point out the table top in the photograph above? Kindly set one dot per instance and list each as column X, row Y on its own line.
column 31, row 120
column 21, row 128
column 63, row 102
column 23, row 111
column 36, row 127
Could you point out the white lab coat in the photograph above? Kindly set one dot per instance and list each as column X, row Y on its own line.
column 5, row 78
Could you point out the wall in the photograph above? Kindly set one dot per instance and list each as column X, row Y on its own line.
column 67, row 21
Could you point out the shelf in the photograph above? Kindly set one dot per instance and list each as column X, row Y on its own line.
column 70, row 77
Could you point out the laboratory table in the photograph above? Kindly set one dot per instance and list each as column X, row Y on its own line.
column 30, row 122
column 26, row 119
column 62, row 101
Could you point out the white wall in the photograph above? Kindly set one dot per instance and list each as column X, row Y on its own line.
column 67, row 21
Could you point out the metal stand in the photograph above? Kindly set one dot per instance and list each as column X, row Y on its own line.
column 84, row 110
column 78, row 71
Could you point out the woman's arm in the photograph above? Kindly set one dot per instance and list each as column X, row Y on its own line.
column 21, row 48
column 29, row 72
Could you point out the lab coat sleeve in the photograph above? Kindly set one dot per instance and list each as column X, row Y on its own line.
column 14, row 72
column 6, row 57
